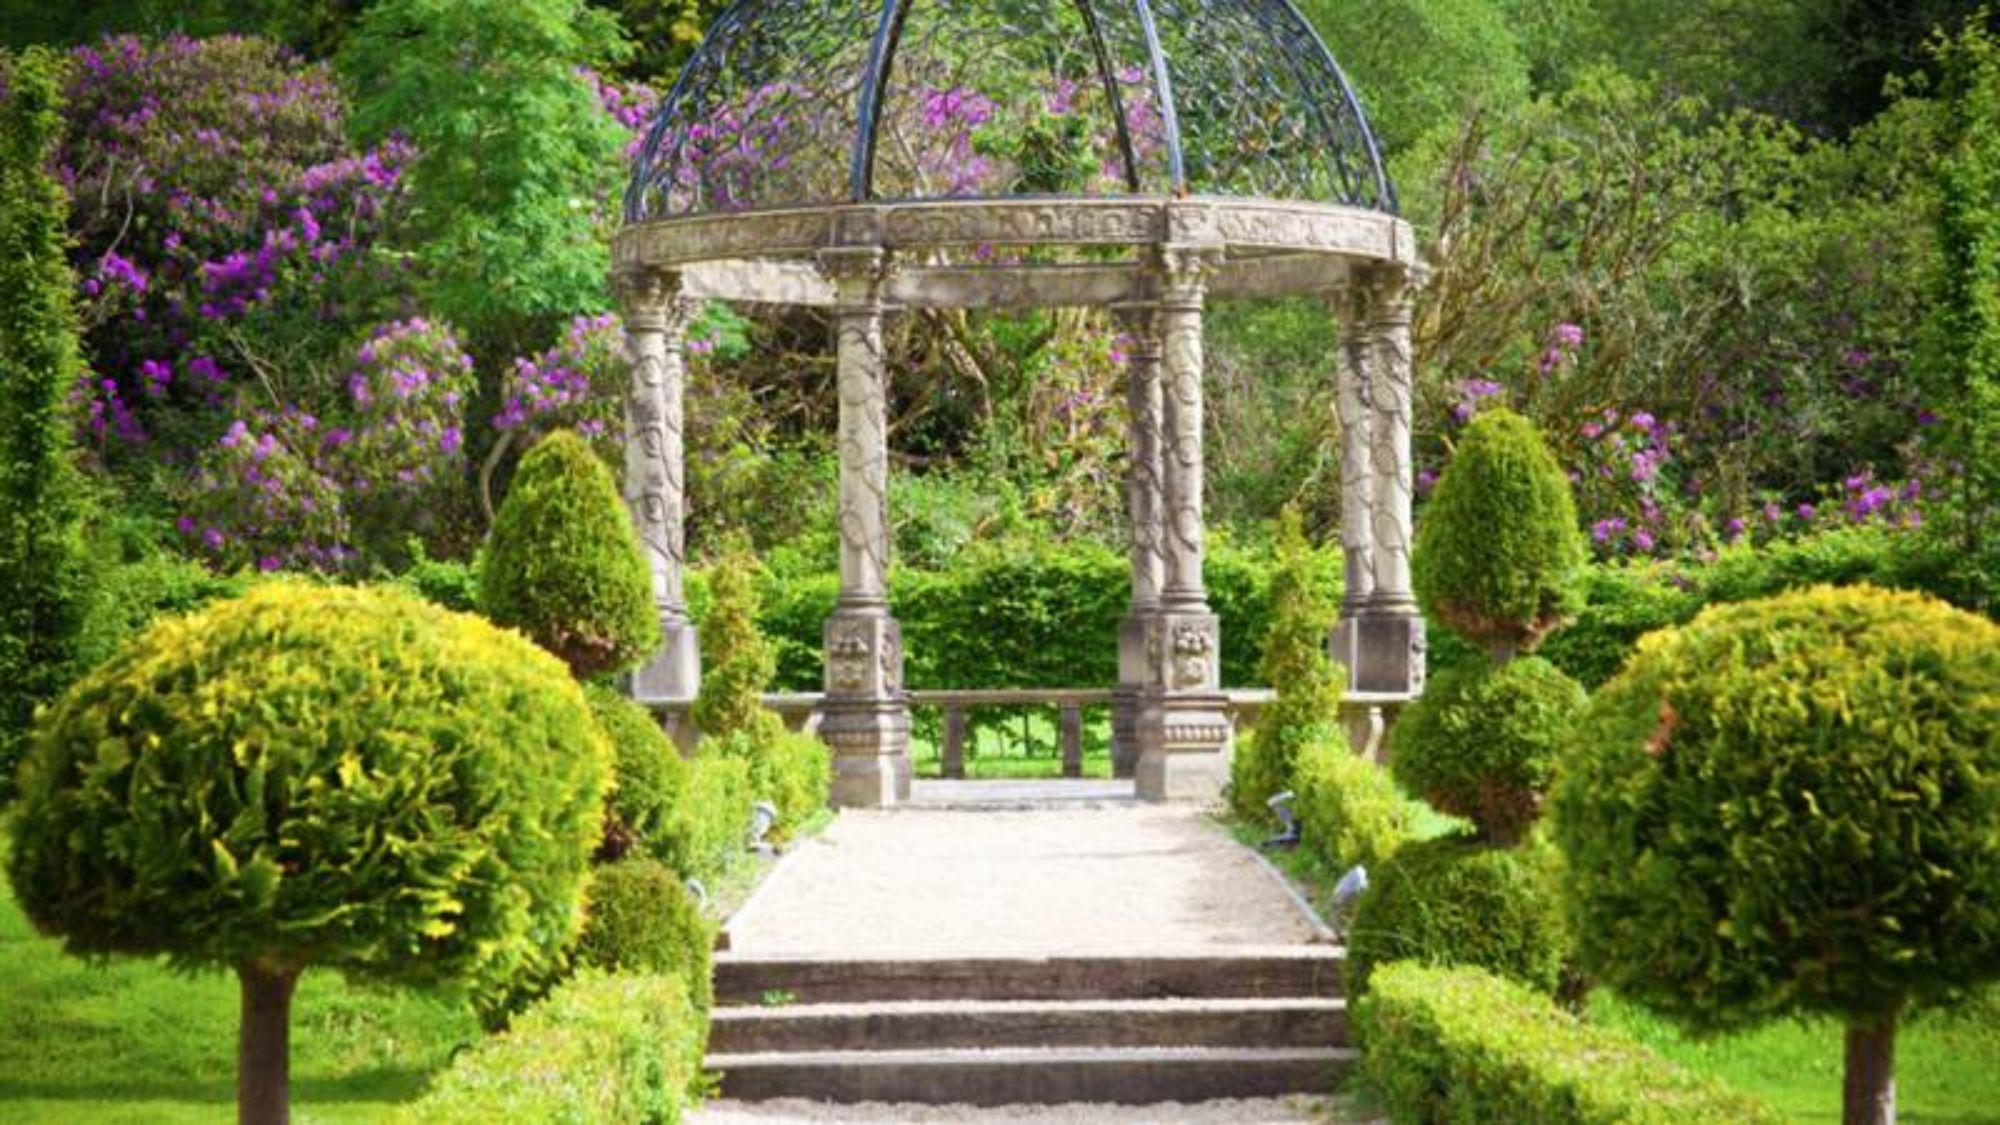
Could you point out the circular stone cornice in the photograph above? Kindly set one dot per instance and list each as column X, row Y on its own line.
column 1263, row 247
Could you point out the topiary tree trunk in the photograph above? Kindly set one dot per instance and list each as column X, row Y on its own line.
column 264, row 1045
column 1868, row 1095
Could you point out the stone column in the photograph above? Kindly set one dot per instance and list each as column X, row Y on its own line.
column 1388, row 653
column 1354, row 410
column 1138, row 325
column 656, row 318
column 866, row 716
column 1184, row 729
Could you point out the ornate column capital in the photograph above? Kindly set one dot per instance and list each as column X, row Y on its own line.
column 1183, row 272
column 859, row 274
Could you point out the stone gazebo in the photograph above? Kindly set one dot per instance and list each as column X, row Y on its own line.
column 870, row 157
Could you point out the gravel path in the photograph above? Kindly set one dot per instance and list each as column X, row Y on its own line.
column 949, row 877
column 1286, row 1111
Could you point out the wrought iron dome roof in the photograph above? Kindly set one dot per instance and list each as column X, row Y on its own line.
column 822, row 103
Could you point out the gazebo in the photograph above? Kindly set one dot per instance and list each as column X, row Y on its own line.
column 1143, row 156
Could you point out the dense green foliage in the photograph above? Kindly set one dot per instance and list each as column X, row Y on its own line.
column 1461, row 1044
column 650, row 777
column 1348, row 808
column 1452, row 901
column 710, row 823
column 1421, row 63
column 45, row 577
column 1962, row 355
column 220, row 790
column 1498, row 549
column 600, row 1047
column 513, row 150
column 642, row 919
column 1481, row 742
column 1791, row 806
column 564, row 564
column 1295, row 665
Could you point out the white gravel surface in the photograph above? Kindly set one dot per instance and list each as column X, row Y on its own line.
column 949, row 881
column 1285, row 1111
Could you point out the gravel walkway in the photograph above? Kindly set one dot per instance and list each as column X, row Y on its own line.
column 1287, row 1111
column 956, row 874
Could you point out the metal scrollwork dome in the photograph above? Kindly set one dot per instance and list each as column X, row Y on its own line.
column 822, row 103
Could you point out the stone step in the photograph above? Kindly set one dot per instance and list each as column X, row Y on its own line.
column 914, row 1025
column 1274, row 972
column 1045, row 1076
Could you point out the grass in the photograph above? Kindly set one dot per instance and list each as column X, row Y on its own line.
column 1947, row 1064
column 130, row 1041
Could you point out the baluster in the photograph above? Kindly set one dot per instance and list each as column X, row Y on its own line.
column 954, row 742
column 1072, row 740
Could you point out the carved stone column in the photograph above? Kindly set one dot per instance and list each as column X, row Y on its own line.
column 1183, row 724
column 866, row 716
column 1354, row 407
column 1145, row 494
column 656, row 318
column 1388, row 642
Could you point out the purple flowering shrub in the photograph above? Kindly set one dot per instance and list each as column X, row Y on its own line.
column 385, row 461
column 223, row 227
column 577, row 384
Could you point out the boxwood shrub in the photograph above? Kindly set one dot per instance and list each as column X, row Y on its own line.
column 600, row 1047
column 1461, row 1044
column 1455, row 901
column 649, row 773
column 1348, row 808
column 641, row 918
column 1481, row 742
column 710, row 825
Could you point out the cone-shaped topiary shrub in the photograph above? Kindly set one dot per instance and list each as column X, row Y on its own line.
column 45, row 577
column 1296, row 666
column 313, row 777
column 1498, row 551
column 1454, row 901
column 651, row 777
column 1349, row 810
column 643, row 919
column 1481, row 743
column 793, row 771
column 1793, row 806
column 564, row 564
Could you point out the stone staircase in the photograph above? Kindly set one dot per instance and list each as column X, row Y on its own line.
column 1219, row 1023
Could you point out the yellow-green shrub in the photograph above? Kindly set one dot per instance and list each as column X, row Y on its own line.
column 710, row 824
column 1295, row 665
column 1791, row 806
column 600, row 1048
column 1461, row 1044
column 1348, row 808
column 1454, row 901
column 1481, row 742
column 564, row 565
column 1498, row 550
column 641, row 918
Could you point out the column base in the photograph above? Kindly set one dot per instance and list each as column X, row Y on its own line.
column 1133, row 676
column 673, row 674
column 870, row 740
column 1184, row 744
column 1383, row 652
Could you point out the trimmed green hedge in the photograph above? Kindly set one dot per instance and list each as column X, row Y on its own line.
column 1460, row 1044
column 600, row 1048
column 1456, row 901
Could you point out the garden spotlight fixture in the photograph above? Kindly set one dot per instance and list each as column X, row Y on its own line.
column 1281, row 806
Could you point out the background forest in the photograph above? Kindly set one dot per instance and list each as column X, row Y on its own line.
column 339, row 263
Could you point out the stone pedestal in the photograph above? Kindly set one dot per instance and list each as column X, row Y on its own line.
column 673, row 674
column 1129, row 698
column 1183, row 723
column 1382, row 652
column 865, row 719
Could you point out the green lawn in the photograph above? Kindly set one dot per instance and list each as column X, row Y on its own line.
column 131, row 1042
column 1947, row 1066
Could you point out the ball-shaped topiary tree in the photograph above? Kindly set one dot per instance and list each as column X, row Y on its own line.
column 1792, row 806
column 1482, row 742
column 643, row 919
column 1498, row 550
column 564, row 563
column 315, row 778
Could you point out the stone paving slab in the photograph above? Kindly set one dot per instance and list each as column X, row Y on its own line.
column 1253, row 1111
column 1021, row 868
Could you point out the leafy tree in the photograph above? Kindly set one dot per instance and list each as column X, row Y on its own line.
column 311, row 777
column 1792, row 806
column 1962, row 352
column 564, row 564
column 516, row 159
column 1417, row 64
column 45, row 579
